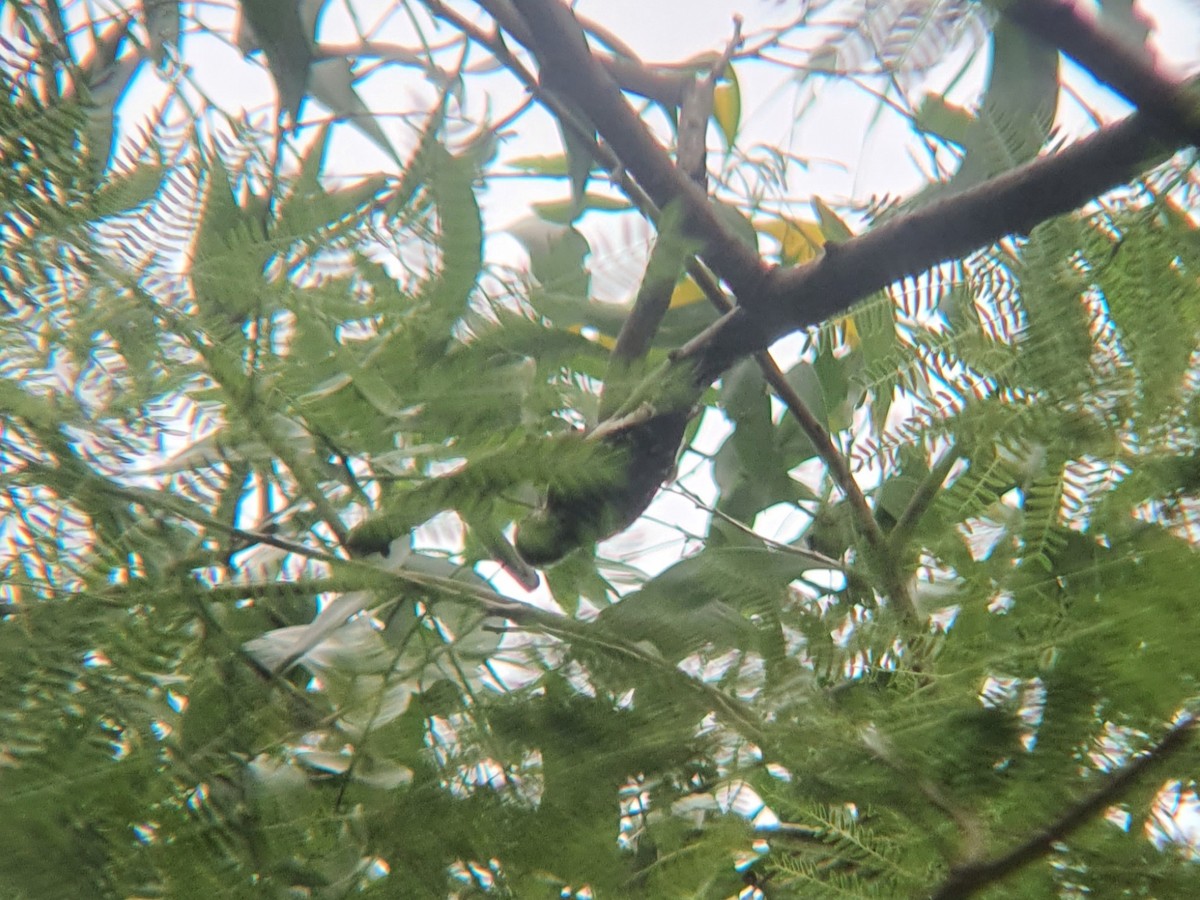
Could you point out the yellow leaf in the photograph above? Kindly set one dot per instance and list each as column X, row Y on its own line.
column 727, row 106
column 799, row 241
column 850, row 332
column 686, row 293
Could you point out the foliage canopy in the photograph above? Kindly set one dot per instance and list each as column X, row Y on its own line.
column 921, row 623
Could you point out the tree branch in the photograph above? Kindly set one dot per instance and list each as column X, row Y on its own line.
column 629, row 73
column 568, row 66
column 1112, row 61
column 1012, row 203
column 879, row 552
column 648, row 160
column 883, row 556
column 925, row 494
column 970, row 878
column 774, row 302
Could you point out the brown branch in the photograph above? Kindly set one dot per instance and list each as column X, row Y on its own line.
column 774, row 302
column 1015, row 202
column 925, row 494
column 1112, row 61
column 568, row 66
column 879, row 553
column 1012, row 203
column 817, row 559
column 492, row 42
column 777, row 301
column 648, row 161
column 627, row 361
column 695, row 109
column 970, row 878
column 629, row 73
column 495, row 45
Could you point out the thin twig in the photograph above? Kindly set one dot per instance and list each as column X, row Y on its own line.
column 879, row 552
column 921, row 499
column 864, row 519
column 665, row 87
column 878, row 549
column 774, row 302
column 972, row 877
column 568, row 65
column 818, row 559
column 374, row 577
column 970, row 828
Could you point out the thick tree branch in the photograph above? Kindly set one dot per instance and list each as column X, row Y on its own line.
column 494, row 43
column 631, row 75
column 972, row 877
column 1112, row 61
column 1013, row 203
column 568, row 66
column 775, row 302
column 651, row 166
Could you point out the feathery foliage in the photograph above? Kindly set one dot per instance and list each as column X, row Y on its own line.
column 265, row 429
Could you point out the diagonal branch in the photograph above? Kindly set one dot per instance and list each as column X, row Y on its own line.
column 1015, row 202
column 920, row 502
column 879, row 552
column 972, row 877
column 1112, row 61
column 656, row 164
column 568, row 66
column 630, row 74
column 774, row 302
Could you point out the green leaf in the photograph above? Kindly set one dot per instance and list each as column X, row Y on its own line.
column 556, row 259
column 552, row 165
column 564, row 212
column 840, row 387
column 749, row 468
column 287, row 39
column 579, row 167
column 460, row 229
column 1014, row 119
column 331, row 81
column 118, row 193
column 740, row 224
column 951, row 123
column 706, row 599
column 832, row 225
column 1123, row 18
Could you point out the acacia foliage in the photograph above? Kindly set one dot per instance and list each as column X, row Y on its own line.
column 229, row 382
